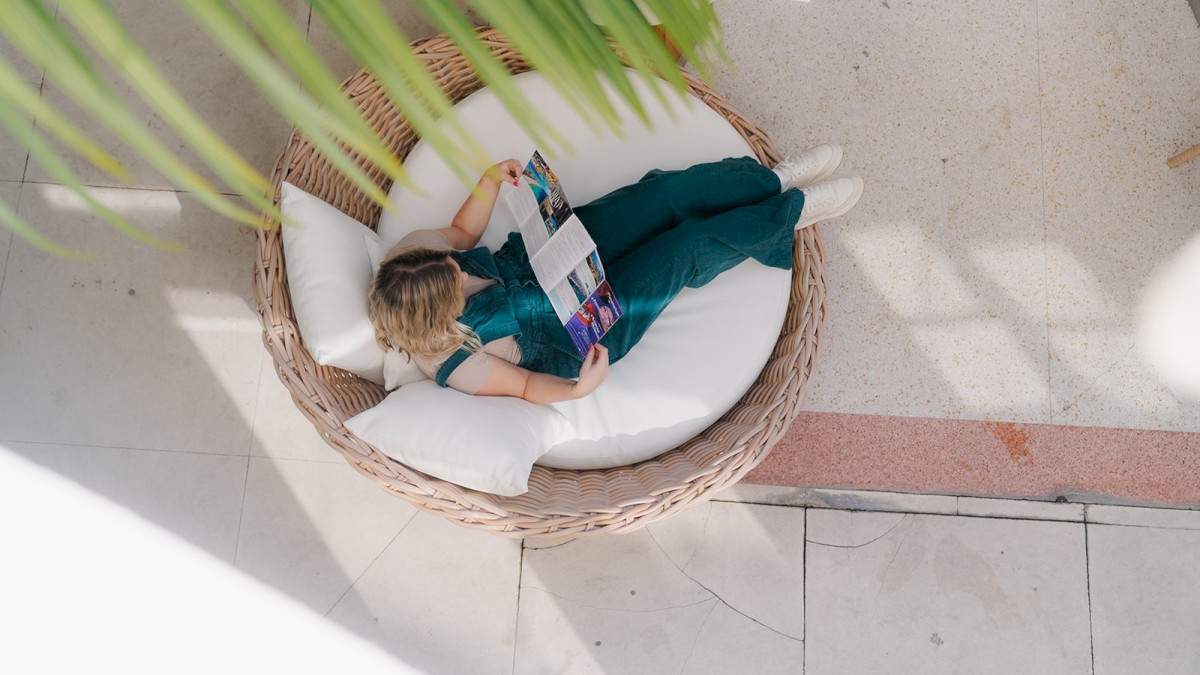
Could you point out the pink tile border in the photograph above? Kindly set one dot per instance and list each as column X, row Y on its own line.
column 996, row 459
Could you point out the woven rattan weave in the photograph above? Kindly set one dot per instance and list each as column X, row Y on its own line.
column 559, row 503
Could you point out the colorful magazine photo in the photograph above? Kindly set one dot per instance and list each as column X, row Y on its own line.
column 563, row 255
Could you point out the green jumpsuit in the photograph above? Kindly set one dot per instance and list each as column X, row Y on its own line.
column 669, row 231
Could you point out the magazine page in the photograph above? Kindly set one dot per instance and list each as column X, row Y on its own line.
column 593, row 318
column 569, row 246
column 552, row 201
column 525, row 212
column 562, row 255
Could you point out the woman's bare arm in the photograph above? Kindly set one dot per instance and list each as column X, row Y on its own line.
column 509, row 380
column 472, row 217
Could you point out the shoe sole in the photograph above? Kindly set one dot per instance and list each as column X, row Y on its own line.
column 841, row 210
column 829, row 169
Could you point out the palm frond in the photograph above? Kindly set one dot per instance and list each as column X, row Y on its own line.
column 323, row 129
column 30, row 28
column 580, row 46
column 43, row 154
column 370, row 35
column 94, row 20
column 33, row 107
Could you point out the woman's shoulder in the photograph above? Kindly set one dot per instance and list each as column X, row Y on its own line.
column 470, row 375
column 434, row 239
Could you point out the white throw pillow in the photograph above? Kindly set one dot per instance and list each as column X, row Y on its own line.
column 399, row 370
column 329, row 258
column 487, row 443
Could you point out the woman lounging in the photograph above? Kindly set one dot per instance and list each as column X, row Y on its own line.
column 480, row 323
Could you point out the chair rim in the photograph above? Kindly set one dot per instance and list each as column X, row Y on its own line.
column 559, row 503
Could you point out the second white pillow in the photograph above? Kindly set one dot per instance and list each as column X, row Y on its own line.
column 330, row 259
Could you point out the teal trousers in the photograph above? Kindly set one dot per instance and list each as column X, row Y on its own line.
column 679, row 229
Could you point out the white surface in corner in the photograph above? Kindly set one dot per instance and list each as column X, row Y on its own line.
column 141, row 598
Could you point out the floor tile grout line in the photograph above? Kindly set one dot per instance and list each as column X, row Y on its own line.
column 131, row 188
column 834, row 507
column 249, row 453
column 237, row 542
column 913, row 512
column 957, row 511
column 1037, row 22
column 1144, row 527
column 804, row 598
column 41, row 93
column 172, row 452
column 8, row 253
column 517, row 614
column 257, row 397
column 987, row 517
column 1087, row 569
column 138, row 449
column 372, row 563
column 335, row 461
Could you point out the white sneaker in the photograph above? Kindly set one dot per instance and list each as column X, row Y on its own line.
column 829, row 200
column 815, row 165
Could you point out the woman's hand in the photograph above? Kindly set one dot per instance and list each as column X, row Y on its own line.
column 593, row 371
column 507, row 171
column 472, row 217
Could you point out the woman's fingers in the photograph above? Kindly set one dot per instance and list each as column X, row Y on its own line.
column 509, row 170
column 595, row 354
column 594, row 369
column 597, row 362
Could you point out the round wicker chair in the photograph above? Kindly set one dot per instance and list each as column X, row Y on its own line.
column 559, row 503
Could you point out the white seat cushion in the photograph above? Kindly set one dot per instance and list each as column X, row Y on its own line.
column 702, row 353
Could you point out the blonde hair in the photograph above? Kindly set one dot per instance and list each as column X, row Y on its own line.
column 414, row 304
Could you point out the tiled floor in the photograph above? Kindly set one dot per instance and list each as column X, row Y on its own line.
column 1018, row 198
column 898, row 592
column 1018, row 222
column 1018, row 206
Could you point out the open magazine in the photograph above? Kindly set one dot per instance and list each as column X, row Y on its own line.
column 563, row 255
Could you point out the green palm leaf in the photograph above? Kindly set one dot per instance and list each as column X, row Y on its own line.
column 543, row 45
column 694, row 31
column 15, row 90
column 97, row 24
column 30, row 234
column 377, row 43
column 274, row 26
column 595, row 46
column 322, row 129
column 560, row 38
column 493, row 73
column 43, row 154
column 32, row 30
column 642, row 46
